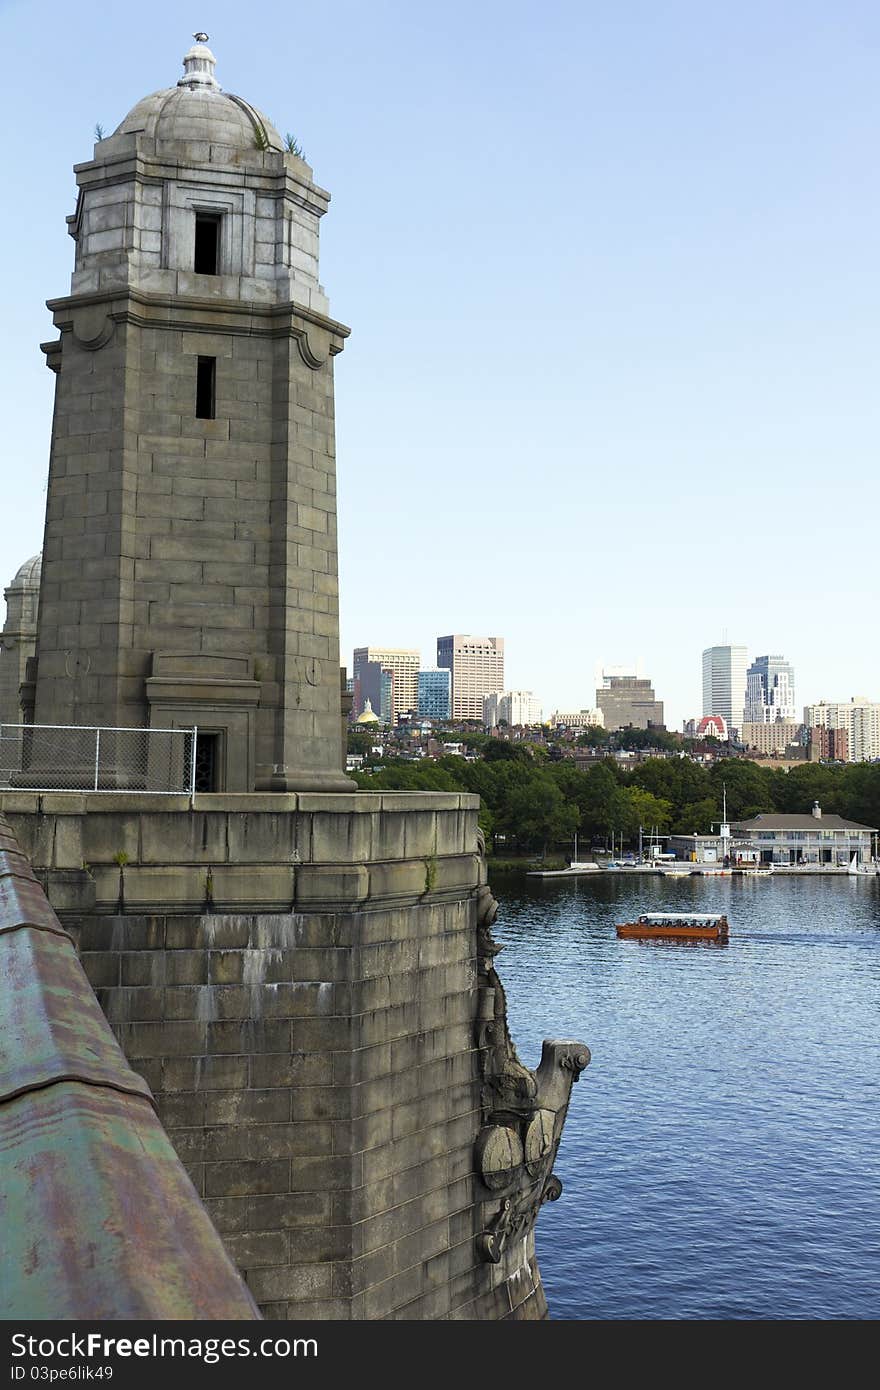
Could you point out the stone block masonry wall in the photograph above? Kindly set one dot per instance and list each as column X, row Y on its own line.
column 87, row 596
column 169, row 533
column 319, row 1071
column 318, row 1077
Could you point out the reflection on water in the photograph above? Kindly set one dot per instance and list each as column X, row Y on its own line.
column 721, row 1154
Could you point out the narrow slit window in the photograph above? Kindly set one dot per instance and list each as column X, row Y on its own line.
column 207, row 251
column 206, row 388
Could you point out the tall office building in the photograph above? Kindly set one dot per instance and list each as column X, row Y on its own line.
column 629, row 702
column 770, row 691
column 477, row 666
column 404, row 667
column 724, row 683
column 434, row 688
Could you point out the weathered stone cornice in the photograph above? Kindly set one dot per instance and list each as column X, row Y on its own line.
column 249, row 852
column 135, row 165
column 236, row 317
column 52, row 352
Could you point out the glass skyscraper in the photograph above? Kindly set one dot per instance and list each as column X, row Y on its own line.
column 770, row 690
column 434, row 694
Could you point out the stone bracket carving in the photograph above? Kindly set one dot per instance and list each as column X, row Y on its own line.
column 92, row 326
column 517, row 1146
column 514, row 1220
column 314, row 346
column 523, row 1111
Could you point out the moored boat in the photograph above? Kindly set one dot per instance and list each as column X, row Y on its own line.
column 677, row 926
column 858, row 869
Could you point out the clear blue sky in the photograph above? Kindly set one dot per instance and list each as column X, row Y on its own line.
column 612, row 276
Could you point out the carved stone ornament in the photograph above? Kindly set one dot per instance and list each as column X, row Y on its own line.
column 308, row 670
column 92, row 326
column 499, row 1154
column 539, row 1140
column 314, row 346
column 77, row 663
column 523, row 1111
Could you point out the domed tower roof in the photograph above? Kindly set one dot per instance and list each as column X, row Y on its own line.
column 369, row 715
column 28, row 576
column 198, row 109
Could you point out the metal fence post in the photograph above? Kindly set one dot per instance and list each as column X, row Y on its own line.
column 97, row 755
column 192, row 779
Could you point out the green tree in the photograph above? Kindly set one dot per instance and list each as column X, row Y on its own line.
column 696, row 817
column 423, row 776
column 750, row 788
column 648, row 738
column 594, row 736
column 359, row 741
column 860, row 792
column 675, row 779
column 601, row 802
column 498, row 749
column 811, row 782
column 641, row 808
column 537, row 815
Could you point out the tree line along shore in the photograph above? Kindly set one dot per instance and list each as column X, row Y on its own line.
column 532, row 802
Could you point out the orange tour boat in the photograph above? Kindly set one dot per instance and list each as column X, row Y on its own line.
column 678, row 926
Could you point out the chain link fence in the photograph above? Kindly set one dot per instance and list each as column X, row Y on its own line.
column 61, row 758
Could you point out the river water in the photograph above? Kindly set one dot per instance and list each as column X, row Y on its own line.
column 721, row 1157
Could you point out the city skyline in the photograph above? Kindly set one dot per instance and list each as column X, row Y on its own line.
column 640, row 480
column 587, row 699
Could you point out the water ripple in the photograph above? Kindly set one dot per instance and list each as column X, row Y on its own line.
column 721, row 1155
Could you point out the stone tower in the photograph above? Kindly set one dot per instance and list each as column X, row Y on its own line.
column 18, row 637
column 305, row 982
column 189, row 568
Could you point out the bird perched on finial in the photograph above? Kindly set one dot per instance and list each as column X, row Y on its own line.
column 200, row 37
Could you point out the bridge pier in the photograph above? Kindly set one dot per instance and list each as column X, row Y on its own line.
column 307, row 984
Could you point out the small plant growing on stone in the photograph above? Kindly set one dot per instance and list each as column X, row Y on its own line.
column 261, row 139
column 293, row 146
column 99, row 131
column 430, row 874
column 120, row 858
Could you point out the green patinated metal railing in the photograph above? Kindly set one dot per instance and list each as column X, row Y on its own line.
column 98, row 1218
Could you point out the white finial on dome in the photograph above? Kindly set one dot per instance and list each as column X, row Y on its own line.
column 198, row 66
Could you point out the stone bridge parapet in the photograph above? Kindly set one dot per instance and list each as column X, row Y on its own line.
column 304, row 982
